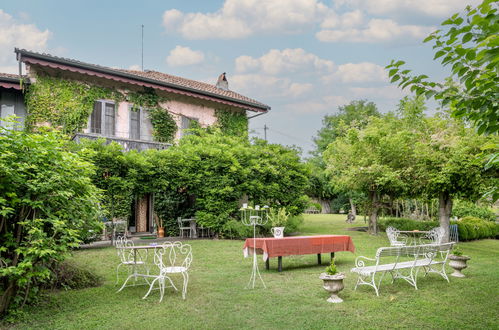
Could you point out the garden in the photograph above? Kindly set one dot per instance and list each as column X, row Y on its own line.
column 403, row 170
column 217, row 297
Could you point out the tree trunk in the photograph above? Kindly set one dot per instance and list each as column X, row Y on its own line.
column 444, row 211
column 352, row 207
column 373, row 216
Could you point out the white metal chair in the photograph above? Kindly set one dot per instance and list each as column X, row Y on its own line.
column 394, row 236
column 128, row 257
column 434, row 236
column 182, row 227
column 173, row 258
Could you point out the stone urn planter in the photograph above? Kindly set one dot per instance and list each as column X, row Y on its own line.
column 458, row 263
column 333, row 284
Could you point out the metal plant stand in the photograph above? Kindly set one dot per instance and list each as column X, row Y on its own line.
column 253, row 217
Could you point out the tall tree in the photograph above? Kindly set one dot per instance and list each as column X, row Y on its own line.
column 375, row 160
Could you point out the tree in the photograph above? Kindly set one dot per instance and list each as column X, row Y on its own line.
column 47, row 204
column 355, row 114
column 375, row 160
column 448, row 163
column 469, row 44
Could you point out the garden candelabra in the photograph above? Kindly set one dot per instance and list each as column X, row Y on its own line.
column 253, row 217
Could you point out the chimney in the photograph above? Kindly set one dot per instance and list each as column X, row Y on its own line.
column 222, row 82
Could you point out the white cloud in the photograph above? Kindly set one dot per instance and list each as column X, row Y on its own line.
column 284, row 61
column 16, row 34
column 435, row 8
column 242, row 18
column 361, row 72
column 346, row 20
column 325, row 104
column 377, row 30
column 267, row 86
column 183, row 56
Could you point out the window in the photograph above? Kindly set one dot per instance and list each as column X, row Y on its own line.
column 12, row 104
column 185, row 124
column 135, row 116
column 102, row 119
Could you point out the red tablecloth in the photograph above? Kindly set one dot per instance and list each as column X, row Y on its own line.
column 286, row 246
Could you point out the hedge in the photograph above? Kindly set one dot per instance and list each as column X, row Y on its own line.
column 469, row 228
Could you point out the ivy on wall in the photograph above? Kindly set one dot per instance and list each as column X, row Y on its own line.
column 232, row 123
column 162, row 121
column 64, row 103
column 67, row 104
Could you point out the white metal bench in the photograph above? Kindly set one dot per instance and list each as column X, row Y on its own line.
column 402, row 262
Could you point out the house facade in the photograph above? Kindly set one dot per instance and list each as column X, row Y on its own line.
column 108, row 103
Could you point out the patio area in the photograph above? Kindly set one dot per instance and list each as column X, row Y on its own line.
column 216, row 297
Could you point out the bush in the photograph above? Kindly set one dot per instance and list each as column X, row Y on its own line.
column 68, row 275
column 47, row 203
column 471, row 228
column 462, row 208
column 235, row 229
column 316, row 206
column 406, row 224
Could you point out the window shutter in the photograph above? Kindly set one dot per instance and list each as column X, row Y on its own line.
column 109, row 119
column 5, row 111
column 96, row 118
column 134, row 123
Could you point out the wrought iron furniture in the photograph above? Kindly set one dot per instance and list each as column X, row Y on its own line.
column 454, row 233
column 298, row 245
column 183, row 228
column 129, row 257
column 433, row 236
column 395, row 237
column 172, row 258
column 400, row 260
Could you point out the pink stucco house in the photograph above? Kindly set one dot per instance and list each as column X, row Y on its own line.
column 187, row 100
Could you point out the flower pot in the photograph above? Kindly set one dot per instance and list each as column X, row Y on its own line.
column 278, row 232
column 333, row 284
column 458, row 263
column 161, row 232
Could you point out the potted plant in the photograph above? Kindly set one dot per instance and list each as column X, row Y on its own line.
column 159, row 225
column 333, row 282
column 458, row 262
column 278, row 219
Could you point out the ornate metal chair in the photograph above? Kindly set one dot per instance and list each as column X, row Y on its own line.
column 183, row 228
column 128, row 257
column 396, row 239
column 173, row 258
column 434, row 236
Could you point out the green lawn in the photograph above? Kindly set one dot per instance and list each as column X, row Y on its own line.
column 217, row 299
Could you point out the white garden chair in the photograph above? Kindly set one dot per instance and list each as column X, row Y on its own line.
column 396, row 239
column 183, row 229
column 127, row 256
column 173, row 258
column 434, row 236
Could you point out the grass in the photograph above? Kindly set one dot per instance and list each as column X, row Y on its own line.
column 216, row 296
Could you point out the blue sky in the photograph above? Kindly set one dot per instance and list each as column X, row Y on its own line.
column 304, row 58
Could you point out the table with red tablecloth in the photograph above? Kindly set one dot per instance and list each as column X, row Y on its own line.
column 272, row 247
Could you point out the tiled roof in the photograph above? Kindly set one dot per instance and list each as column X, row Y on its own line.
column 197, row 85
column 155, row 76
column 9, row 75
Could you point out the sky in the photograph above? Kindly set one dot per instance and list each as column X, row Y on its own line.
column 303, row 58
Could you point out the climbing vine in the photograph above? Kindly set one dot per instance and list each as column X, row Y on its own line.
column 67, row 104
column 162, row 121
column 64, row 103
column 232, row 123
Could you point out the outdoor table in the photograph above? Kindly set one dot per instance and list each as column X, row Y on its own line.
column 413, row 233
column 135, row 248
column 279, row 247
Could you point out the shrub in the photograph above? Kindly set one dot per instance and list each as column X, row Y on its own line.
column 406, row 224
column 462, row 208
column 68, row 275
column 235, row 229
column 317, row 206
column 47, row 204
column 471, row 228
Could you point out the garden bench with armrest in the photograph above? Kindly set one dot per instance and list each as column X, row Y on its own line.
column 402, row 262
